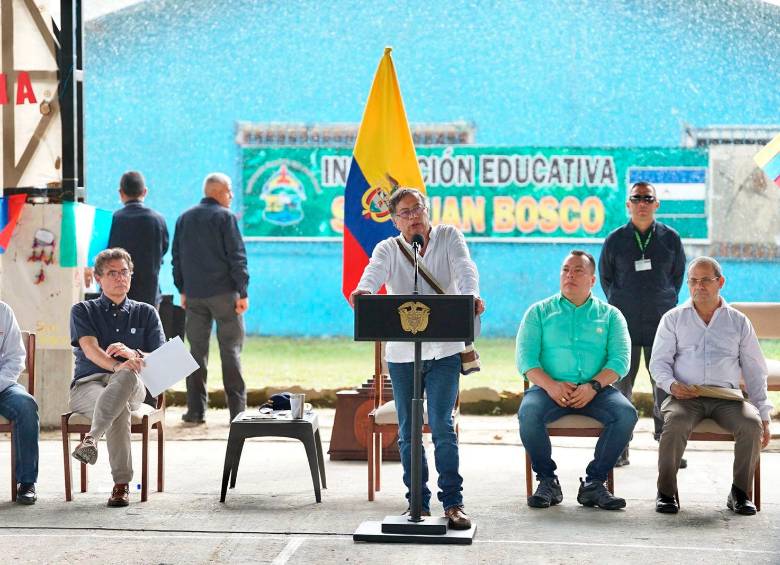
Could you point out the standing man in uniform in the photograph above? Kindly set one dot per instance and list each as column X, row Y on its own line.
column 143, row 234
column 210, row 271
column 641, row 267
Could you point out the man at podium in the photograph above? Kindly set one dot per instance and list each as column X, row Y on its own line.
column 442, row 251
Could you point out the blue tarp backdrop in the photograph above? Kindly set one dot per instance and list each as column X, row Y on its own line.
column 166, row 82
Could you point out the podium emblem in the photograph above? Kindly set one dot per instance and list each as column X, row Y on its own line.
column 414, row 316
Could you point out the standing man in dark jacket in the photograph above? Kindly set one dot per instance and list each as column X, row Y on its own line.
column 641, row 267
column 210, row 271
column 141, row 232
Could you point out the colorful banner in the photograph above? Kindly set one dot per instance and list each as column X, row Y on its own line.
column 768, row 159
column 85, row 231
column 528, row 193
column 10, row 210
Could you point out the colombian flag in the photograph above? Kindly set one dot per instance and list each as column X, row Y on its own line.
column 383, row 159
column 10, row 210
column 769, row 160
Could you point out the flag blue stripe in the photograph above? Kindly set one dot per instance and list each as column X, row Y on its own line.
column 366, row 231
column 668, row 176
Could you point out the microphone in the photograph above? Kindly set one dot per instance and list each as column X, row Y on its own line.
column 417, row 244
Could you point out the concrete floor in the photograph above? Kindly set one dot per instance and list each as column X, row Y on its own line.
column 271, row 515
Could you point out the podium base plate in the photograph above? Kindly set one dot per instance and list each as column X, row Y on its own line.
column 401, row 525
column 372, row 532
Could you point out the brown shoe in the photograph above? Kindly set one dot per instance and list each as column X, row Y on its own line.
column 120, row 496
column 458, row 520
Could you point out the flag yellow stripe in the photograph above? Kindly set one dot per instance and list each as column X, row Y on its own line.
column 384, row 143
column 769, row 150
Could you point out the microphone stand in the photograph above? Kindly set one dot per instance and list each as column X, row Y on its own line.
column 415, row 499
column 416, row 249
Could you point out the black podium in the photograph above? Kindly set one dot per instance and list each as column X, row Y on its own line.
column 416, row 318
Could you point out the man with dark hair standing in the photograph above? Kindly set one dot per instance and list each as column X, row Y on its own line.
column 573, row 347
column 210, row 271
column 641, row 269
column 143, row 234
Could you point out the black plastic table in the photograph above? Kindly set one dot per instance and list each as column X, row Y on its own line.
column 249, row 424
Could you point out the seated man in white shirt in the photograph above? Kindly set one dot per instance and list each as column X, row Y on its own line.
column 707, row 342
column 445, row 254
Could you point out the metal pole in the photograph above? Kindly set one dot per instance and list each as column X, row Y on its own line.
column 415, row 513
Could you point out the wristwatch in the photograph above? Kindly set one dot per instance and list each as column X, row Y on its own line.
column 596, row 385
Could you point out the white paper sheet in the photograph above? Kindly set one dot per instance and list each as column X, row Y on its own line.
column 167, row 365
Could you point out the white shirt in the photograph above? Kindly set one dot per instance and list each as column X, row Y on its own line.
column 446, row 258
column 716, row 354
column 12, row 353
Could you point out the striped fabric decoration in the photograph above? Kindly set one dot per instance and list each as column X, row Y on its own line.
column 85, row 231
column 768, row 159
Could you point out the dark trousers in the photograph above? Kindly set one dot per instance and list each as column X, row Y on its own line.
column 201, row 312
column 626, row 385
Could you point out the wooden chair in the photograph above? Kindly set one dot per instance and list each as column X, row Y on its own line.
column 142, row 421
column 765, row 317
column 383, row 419
column 571, row 425
column 709, row 430
column 27, row 378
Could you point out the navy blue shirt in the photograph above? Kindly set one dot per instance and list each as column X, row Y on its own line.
column 642, row 296
column 208, row 253
column 135, row 324
column 143, row 234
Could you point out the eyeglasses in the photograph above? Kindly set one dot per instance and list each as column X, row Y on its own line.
column 124, row 273
column 408, row 213
column 704, row 280
column 647, row 198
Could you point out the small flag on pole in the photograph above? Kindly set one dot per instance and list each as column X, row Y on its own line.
column 383, row 159
column 10, row 210
column 768, row 159
column 85, row 231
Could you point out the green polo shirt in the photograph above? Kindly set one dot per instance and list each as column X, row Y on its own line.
column 573, row 343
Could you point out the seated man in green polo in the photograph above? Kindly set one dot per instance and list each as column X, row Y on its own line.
column 572, row 347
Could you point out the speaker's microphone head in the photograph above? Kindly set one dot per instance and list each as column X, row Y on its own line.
column 418, row 240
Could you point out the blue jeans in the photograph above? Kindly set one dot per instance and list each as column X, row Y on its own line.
column 19, row 407
column 440, row 383
column 609, row 407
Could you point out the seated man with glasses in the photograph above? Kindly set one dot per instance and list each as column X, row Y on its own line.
column 109, row 336
column 573, row 347
column 707, row 342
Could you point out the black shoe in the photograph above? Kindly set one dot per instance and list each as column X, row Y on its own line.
column 25, row 494
column 666, row 504
column 596, row 494
column 683, row 463
column 547, row 494
column 192, row 419
column 739, row 503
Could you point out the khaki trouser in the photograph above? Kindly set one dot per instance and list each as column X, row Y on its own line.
column 108, row 399
column 681, row 416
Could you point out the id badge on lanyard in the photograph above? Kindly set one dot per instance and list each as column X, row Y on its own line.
column 643, row 264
